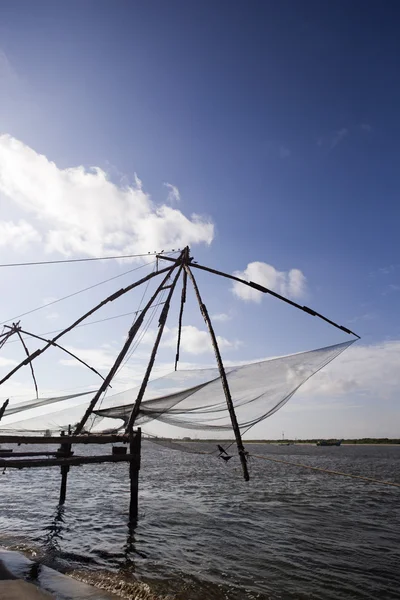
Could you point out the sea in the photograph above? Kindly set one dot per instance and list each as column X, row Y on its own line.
column 202, row 533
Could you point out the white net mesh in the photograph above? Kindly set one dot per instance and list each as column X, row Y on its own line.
column 186, row 401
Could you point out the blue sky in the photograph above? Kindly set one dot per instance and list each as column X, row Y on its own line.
column 278, row 124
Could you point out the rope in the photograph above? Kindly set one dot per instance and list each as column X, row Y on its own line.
column 79, row 260
column 328, row 471
column 133, row 312
column 91, row 287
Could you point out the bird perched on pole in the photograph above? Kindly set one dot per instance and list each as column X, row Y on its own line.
column 223, row 453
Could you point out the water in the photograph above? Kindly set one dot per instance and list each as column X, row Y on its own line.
column 203, row 533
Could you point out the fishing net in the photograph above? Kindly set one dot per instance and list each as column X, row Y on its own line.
column 185, row 403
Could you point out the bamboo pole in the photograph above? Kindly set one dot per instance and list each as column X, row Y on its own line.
column 38, row 337
column 70, row 439
column 3, row 408
column 30, row 364
column 134, row 468
column 111, row 298
column 264, row 290
column 64, row 451
column 131, row 335
column 225, row 385
column 72, row 461
column 6, row 335
column 162, row 321
column 12, row 454
column 183, row 300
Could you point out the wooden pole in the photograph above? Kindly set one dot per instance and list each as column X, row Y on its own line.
column 98, row 438
column 72, row 461
column 65, row 452
column 131, row 335
column 3, row 408
column 264, row 290
column 111, row 298
column 134, row 468
column 225, row 385
column 38, row 337
column 162, row 321
column 183, row 300
column 27, row 354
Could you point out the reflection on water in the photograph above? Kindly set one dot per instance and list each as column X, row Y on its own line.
column 54, row 533
column 203, row 533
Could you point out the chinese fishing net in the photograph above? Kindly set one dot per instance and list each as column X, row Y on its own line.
column 185, row 403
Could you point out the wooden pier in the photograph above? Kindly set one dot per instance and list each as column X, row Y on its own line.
column 65, row 458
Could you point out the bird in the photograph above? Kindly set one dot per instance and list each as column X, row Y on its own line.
column 223, row 453
column 225, row 458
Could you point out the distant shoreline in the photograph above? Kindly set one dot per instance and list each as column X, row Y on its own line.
column 350, row 442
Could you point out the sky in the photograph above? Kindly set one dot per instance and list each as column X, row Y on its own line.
column 262, row 134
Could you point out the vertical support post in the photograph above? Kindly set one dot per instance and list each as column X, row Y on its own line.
column 63, row 488
column 134, row 468
column 231, row 409
column 64, row 451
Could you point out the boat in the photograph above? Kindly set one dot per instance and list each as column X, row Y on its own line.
column 329, row 442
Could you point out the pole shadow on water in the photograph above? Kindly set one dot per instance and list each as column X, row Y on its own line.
column 54, row 533
column 130, row 550
column 50, row 542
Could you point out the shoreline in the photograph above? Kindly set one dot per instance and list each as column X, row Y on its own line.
column 20, row 577
column 278, row 442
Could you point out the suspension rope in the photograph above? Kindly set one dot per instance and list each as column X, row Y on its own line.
column 328, row 471
column 79, row 260
column 76, row 293
column 132, row 312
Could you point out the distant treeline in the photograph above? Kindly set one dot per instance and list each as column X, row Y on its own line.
column 311, row 441
column 348, row 441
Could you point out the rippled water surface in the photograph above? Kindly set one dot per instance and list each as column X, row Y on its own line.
column 202, row 532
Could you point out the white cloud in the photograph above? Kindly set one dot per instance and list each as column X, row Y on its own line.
column 288, row 283
column 366, row 127
column 80, row 211
column 7, row 362
column 18, row 236
column 99, row 358
column 221, row 317
column 173, row 194
column 52, row 316
column 193, row 340
column 338, row 137
column 368, row 370
column 197, row 341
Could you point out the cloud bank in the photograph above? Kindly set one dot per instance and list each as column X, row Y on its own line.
column 288, row 283
column 78, row 211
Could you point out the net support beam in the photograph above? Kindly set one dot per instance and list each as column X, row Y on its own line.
column 131, row 336
column 162, row 322
column 111, row 298
column 27, row 354
column 3, row 408
column 264, row 290
column 38, row 337
column 225, row 385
